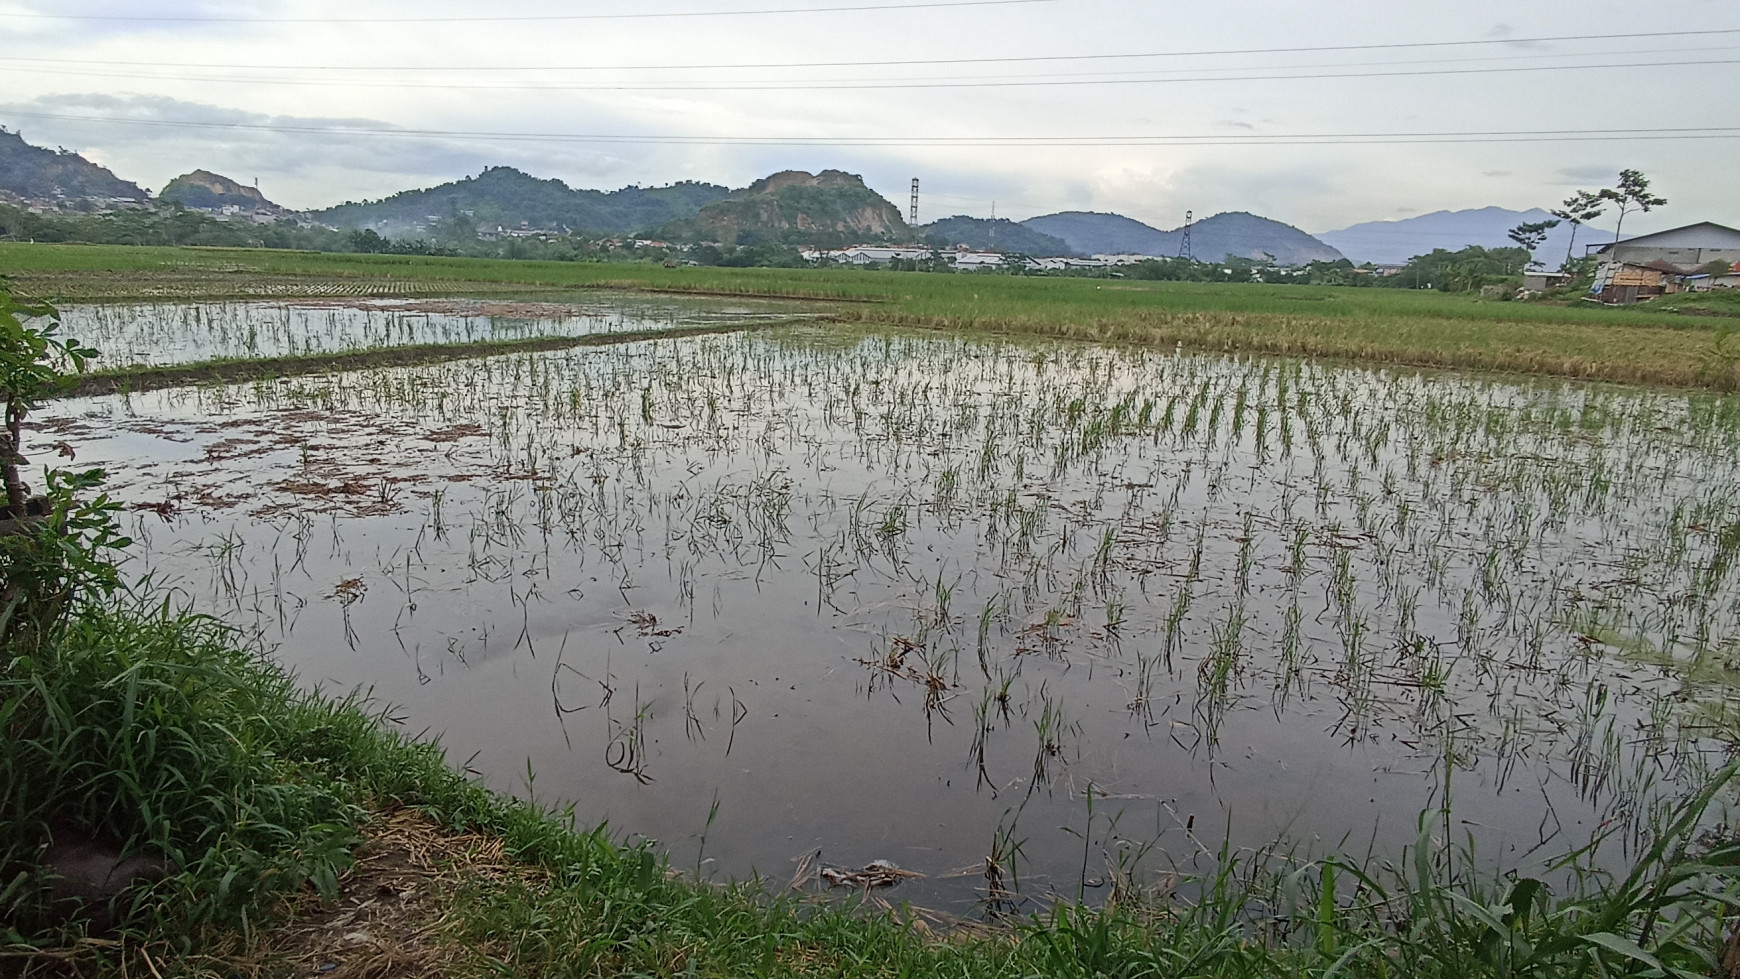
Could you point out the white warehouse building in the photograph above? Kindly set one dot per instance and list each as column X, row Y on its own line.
column 1688, row 247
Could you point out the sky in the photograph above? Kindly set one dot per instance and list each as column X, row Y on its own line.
column 1318, row 113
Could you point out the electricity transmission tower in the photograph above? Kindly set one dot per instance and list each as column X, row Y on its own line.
column 912, row 216
column 1184, row 250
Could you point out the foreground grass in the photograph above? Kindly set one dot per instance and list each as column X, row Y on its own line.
column 158, row 728
column 1653, row 344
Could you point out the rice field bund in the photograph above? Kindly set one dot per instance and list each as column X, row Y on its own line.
column 164, row 334
column 1004, row 620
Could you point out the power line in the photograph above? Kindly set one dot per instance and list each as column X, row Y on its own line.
column 881, row 8
column 874, row 86
column 39, row 63
column 1029, row 77
column 915, row 62
column 1209, row 139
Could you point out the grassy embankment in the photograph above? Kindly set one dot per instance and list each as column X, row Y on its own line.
column 158, row 728
column 138, row 379
column 1428, row 329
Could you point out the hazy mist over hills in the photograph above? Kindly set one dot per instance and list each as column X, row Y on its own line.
column 1394, row 242
column 1211, row 239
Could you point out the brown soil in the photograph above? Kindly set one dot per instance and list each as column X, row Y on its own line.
column 386, row 921
column 389, row 914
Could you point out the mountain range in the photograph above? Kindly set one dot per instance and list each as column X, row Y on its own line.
column 1212, row 239
column 790, row 207
column 1394, row 242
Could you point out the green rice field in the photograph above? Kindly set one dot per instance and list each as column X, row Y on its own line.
column 1233, row 630
column 849, row 594
column 1654, row 346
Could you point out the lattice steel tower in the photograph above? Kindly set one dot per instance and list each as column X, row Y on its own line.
column 1184, row 250
column 912, row 215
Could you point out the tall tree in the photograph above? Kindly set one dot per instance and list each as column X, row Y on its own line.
column 1580, row 209
column 1632, row 193
column 1530, row 235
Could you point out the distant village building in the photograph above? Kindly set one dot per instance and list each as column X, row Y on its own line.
column 867, row 254
column 1623, row 283
column 1706, row 281
column 1382, row 270
column 1664, row 263
column 1543, row 281
column 1064, row 264
column 971, row 261
column 1690, row 246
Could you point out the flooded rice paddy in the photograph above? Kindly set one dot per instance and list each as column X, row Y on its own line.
column 163, row 334
column 923, row 599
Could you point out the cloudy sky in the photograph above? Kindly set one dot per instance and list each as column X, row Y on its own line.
column 1320, row 113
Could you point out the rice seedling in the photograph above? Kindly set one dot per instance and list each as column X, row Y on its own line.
column 1439, row 556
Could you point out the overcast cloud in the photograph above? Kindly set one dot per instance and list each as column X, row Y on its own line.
column 275, row 86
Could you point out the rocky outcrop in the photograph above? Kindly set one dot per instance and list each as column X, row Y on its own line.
column 794, row 206
column 211, row 191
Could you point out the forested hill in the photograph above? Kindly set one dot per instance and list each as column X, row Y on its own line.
column 507, row 197
column 35, row 173
column 1093, row 233
column 1211, row 239
column 1001, row 234
column 1253, row 236
column 794, row 207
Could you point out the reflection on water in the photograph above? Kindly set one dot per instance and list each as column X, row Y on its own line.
column 158, row 334
column 913, row 598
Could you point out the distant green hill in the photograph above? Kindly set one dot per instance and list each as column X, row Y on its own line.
column 35, row 173
column 1001, row 234
column 1211, row 239
column 1093, row 233
column 204, row 189
column 794, row 208
column 508, row 197
column 1253, row 236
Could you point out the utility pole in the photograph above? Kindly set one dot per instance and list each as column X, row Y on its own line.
column 1184, row 249
column 912, row 215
